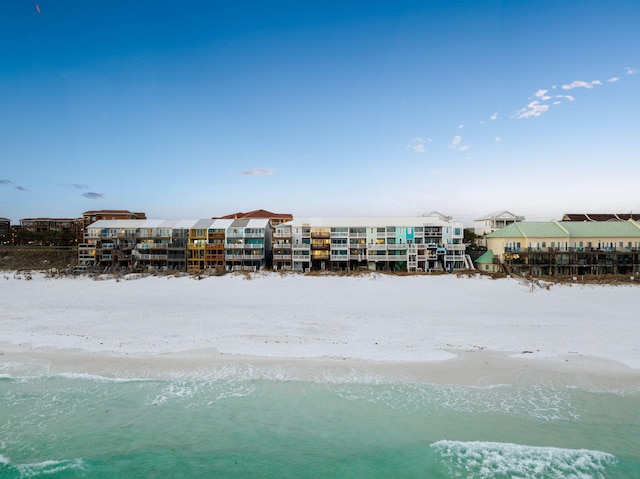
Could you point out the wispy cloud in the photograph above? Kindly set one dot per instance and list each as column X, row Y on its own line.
column 613, row 79
column 537, row 106
column 460, row 126
column 258, row 172
column 9, row 182
column 631, row 71
column 494, row 116
column 581, row 84
column 498, row 139
column 79, row 187
column 542, row 94
column 533, row 109
column 456, row 144
column 93, row 196
column 417, row 144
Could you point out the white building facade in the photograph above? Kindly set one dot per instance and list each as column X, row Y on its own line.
column 423, row 243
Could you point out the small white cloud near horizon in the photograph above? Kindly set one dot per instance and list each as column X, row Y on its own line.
column 613, row 79
column 494, row 116
column 258, row 172
column 631, row 71
column 581, row 84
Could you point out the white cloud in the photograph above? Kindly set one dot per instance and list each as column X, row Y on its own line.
column 581, row 84
column 258, row 172
column 417, row 144
column 494, row 116
column 461, row 126
column 535, row 109
column 613, row 79
column 456, row 144
column 498, row 139
column 631, row 71
column 542, row 94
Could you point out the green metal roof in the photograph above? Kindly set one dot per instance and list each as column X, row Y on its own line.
column 569, row 229
column 486, row 257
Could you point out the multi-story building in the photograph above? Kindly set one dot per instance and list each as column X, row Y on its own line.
column 92, row 216
column 424, row 243
column 493, row 222
column 5, row 230
column 58, row 231
column 182, row 245
column 560, row 248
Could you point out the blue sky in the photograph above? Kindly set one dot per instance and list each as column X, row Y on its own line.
column 319, row 108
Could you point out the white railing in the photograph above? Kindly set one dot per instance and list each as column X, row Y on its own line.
column 279, row 234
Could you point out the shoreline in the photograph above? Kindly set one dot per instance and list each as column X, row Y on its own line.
column 449, row 330
column 482, row 368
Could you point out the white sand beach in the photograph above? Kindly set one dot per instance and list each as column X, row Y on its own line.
column 471, row 330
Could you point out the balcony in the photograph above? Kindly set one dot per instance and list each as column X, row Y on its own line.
column 147, row 246
column 301, row 257
column 282, row 257
column 282, row 234
column 149, row 257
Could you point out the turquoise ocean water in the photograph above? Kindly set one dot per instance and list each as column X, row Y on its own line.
column 238, row 421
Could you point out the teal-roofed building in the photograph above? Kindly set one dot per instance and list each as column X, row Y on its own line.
column 487, row 263
column 568, row 248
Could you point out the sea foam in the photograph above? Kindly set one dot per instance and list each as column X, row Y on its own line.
column 480, row 460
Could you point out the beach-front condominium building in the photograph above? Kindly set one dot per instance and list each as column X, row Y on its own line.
column 180, row 245
column 423, row 243
column 560, row 248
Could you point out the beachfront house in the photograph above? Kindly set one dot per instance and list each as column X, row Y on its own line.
column 493, row 222
column 560, row 248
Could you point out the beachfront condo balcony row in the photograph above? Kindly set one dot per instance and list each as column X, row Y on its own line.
column 305, row 243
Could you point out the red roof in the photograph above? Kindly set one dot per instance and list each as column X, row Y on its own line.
column 257, row 214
